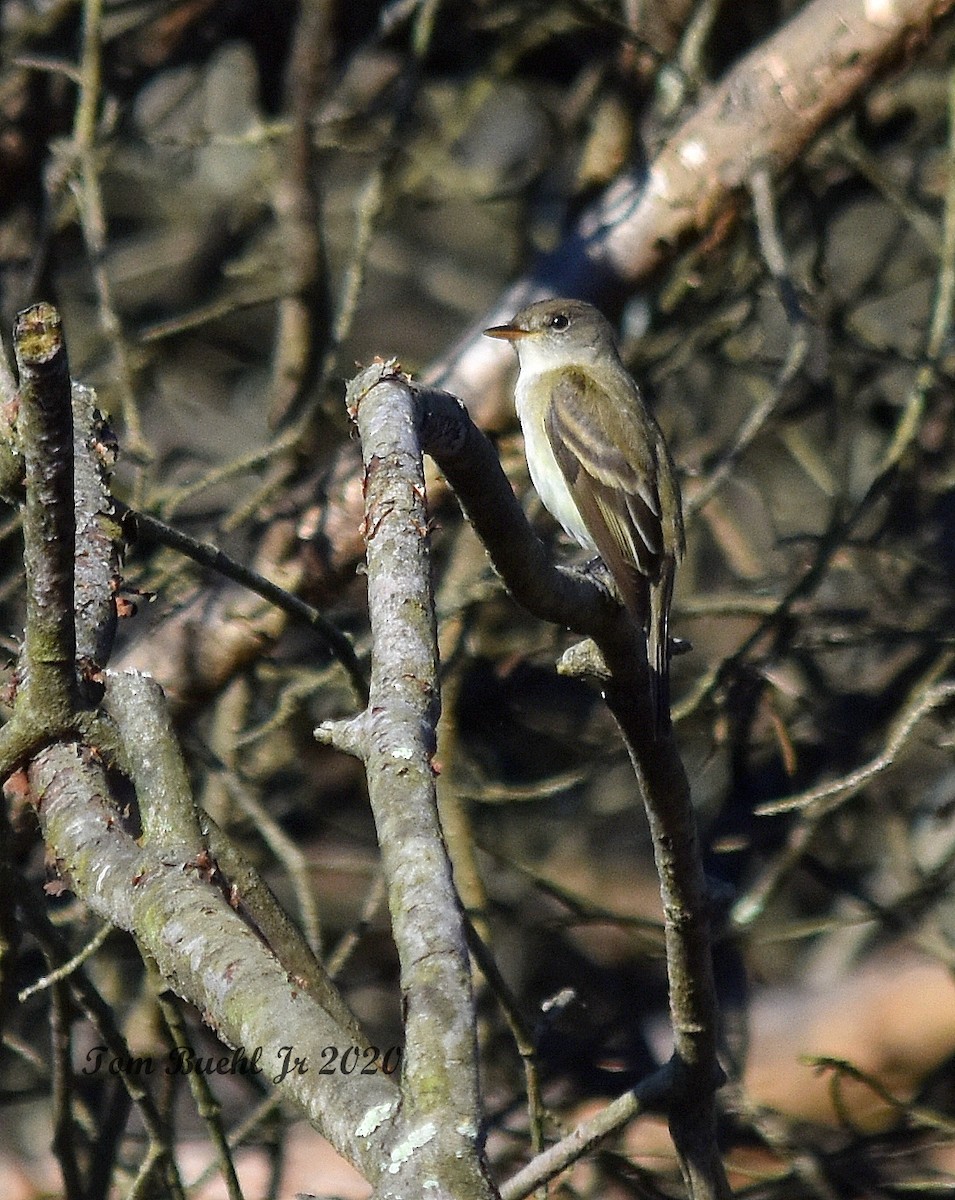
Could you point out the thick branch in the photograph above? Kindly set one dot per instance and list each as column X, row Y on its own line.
column 208, row 952
column 171, row 823
column 440, row 1138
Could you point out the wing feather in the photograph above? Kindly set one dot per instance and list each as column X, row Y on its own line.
column 615, row 473
column 617, row 498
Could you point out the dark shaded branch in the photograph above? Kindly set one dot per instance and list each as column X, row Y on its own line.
column 45, row 425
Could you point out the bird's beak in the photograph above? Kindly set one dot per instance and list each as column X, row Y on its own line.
column 507, row 333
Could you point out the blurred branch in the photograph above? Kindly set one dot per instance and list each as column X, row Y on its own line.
column 207, row 1106
column 650, row 1095
column 55, row 947
column 816, row 803
column 150, row 529
column 762, row 114
column 303, row 309
column 926, row 696
column 911, row 1112
column 775, row 257
column 205, row 643
column 88, row 192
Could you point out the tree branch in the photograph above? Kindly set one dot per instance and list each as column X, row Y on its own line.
column 440, row 1134
column 468, row 460
column 47, row 671
column 211, row 955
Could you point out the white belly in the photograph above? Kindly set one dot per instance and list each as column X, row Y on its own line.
column 546, row 475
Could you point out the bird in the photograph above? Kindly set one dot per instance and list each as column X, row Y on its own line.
column 600, row 464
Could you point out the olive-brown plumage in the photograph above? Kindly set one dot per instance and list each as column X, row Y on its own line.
column 599, row 462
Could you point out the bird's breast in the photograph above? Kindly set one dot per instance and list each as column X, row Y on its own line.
column 547, row 477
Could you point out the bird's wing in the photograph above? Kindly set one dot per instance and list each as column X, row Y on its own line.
column 617, row 498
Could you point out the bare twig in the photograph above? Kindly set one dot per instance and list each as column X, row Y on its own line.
column 103, row 1020
column 774, row 254
column 926, row 696
column 207, row 555
column 207, row 1106
column 651, row 1093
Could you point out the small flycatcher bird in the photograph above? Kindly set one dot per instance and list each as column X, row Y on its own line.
column 599, row 463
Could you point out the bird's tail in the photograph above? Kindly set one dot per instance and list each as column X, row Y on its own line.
column 658, row 649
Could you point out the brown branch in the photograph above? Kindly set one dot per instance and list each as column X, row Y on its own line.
column 205, row 642
column 303, row 309
column 88, row 192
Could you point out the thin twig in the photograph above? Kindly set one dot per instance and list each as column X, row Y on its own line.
column 650, row 1093
column 207, row 1106
column 67, row 968
column 922, row 700
column 103, row 1020
column 208, row 555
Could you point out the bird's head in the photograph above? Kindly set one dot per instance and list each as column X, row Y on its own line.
column 551, row 334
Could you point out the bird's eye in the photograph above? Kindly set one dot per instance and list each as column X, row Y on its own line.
column 559, row 321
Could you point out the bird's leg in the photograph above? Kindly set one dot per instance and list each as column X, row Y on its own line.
column 599, row 572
